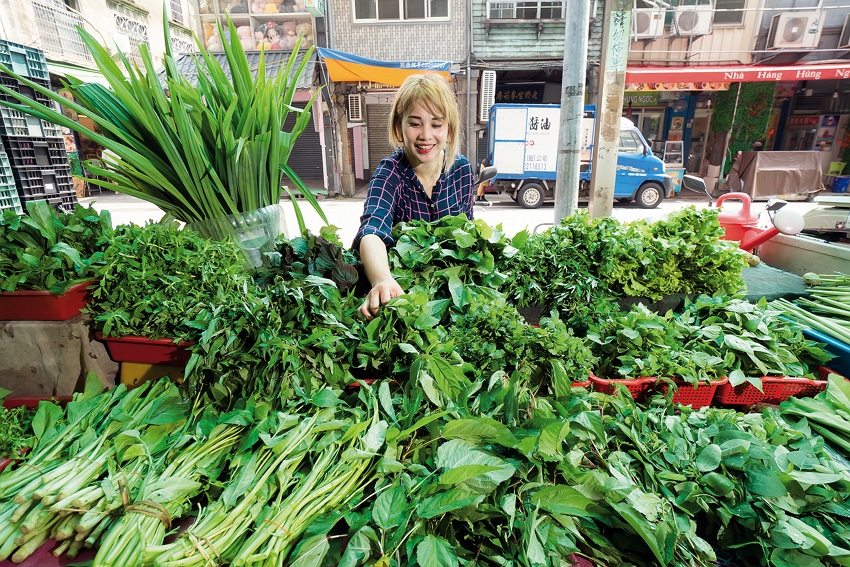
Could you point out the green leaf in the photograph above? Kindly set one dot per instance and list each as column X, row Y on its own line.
column 457, row 453
column 562, row 499
column 390, row 508
column 311, row 552
column 762, row 481
column 709, row 458
column 435, row 551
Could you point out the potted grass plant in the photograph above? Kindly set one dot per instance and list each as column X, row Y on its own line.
column 211, row 155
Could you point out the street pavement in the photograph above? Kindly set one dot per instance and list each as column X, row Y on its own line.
column 344, row 212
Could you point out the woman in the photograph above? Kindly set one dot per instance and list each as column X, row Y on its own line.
column 424, row 179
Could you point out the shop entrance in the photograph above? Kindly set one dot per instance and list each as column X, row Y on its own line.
column 699, row 138
column 649, row 121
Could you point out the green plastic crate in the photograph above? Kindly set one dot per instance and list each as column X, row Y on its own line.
column 24, row 60
column 9, row 199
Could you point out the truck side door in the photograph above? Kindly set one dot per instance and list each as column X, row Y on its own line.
column 631, row 164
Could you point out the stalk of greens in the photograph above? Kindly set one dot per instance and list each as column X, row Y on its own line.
column 199, row 153
column 825, row 308
column 16, row 432
column 50, row 250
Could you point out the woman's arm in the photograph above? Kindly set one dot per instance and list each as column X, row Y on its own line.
column 373, row 254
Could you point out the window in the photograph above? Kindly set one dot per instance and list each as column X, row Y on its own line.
column 131, row 24
column 400, row 10
column 733, row 18
column 181, row 42
column 57, row 26
column 527, row 10
column 630, row 143
column 177, row 11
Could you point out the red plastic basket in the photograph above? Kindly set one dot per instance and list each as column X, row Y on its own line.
column 147, row 351
column 775, row 389
column 27, row 305
column 696, row 397
column 637, row 387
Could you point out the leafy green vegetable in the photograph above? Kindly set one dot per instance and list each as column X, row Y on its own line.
column 50, row 250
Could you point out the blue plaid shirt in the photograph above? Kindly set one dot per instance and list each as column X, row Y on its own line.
column 396, row 195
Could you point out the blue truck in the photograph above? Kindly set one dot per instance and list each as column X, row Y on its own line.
column 523, row 146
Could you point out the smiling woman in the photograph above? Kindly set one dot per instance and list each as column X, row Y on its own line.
column 424, row 179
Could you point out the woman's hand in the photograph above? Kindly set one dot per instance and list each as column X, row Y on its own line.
column 379, row 295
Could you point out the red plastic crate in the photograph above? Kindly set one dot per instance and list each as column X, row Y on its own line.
column 698, row 397
column 637, row 387
column 27, row 305
column 686, row 394
column 146, row 351
column 775, row 389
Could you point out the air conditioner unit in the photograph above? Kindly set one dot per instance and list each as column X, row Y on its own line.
column 693, row 20
column 794, row 30
column 647, row 23
column 487, row 95
column 844, row 40
column 355, row 108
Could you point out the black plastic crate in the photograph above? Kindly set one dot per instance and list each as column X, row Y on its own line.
column 24, row 151
column 58, row 201
column 38, row 181
column 15, row 85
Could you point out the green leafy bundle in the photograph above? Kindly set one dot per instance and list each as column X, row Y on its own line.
column 642, row 343
column 50, row 250
column 16, row 431
column 827, row 415
column 492, row 336
column 446, row 256
column 751, row 338
column 582, row 264
column 157, row 279
column 198, row 153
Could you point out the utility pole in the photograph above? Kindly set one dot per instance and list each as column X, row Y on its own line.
column 577, row 20
column 609, row 106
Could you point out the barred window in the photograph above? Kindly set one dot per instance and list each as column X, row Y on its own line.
column 131, row 24
column 57, row 26
column 526, row 10
column 400, row 10
column 177, row 11
column 182, row 42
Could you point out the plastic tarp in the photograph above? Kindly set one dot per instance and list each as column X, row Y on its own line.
column 347, row 68
column 769, row 174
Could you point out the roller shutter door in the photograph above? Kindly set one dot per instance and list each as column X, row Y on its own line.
column 481, row 150
column 377, row 116
column 306, row 157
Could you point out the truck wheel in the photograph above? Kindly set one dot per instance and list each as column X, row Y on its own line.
column 649, row 195
column 530, row 196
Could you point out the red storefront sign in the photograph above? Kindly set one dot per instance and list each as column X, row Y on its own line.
column 803, row 121
column 704, row 76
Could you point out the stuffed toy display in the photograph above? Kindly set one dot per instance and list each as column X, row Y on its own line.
column 287, row 6
column 246, row 37
column 288, row 35
column 273, row 35
column 300, row 6
column 205, row 7
column 306, row 31
column 237, row 7
column 258, row 7
column 213, row 41
column 272, row 8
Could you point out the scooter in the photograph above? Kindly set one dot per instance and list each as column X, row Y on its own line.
column 485, row 174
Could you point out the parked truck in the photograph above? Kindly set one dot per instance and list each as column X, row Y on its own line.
column 524, row 148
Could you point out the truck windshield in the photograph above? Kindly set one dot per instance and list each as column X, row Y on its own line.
column 630, row 143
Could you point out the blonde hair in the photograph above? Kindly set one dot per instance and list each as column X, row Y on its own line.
column 434, row 93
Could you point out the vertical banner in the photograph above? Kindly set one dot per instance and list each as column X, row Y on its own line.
column 615, row 55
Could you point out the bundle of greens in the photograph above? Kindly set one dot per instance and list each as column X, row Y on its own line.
column 51, row 250
column 643, row 343
column 493, row 337
column 827, row 415
column 825, row 307
column 752, row 339
column 89, row 462
column 582, row 264
column 712, row 337
column 157, row 279
column 16, row 429
column 448, row 256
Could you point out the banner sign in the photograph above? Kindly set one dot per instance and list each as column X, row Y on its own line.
column 345, row 67
column 663, row 87
column 736, row 74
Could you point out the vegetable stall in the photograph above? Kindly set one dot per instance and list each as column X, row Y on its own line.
column 520, row 405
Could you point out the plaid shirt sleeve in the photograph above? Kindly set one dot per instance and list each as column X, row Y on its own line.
column 379, row 209
column 467, row 178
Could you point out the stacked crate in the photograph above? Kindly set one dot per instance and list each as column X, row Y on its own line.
column 35, row 148
column 8, row 192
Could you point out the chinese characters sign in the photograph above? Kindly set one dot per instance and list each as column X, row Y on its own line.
column 520, row 94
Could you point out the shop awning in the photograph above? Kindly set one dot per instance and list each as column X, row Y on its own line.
column 82, row 73
column 708, row 78
column 347, row 68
